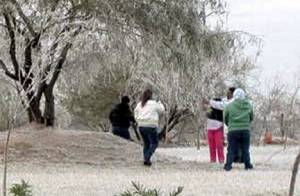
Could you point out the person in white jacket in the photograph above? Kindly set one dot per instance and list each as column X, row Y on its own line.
column 147, row 114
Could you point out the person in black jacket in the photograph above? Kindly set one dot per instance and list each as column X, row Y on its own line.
column 215, row 134
column 121, row 118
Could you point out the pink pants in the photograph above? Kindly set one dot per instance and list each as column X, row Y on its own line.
column 216, row 146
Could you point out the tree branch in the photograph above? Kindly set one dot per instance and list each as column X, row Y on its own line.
column 7, row 72
column 41, row 89
column 24, row 18
column 59, row 65
column 28, row 57
column 45, row 72
column 12, row 49
column 16, row 24
column 62, row 59
column 28, row 53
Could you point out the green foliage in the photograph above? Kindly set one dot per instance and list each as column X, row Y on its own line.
column 95, row 101
column 163, row 44
column 140, row 190
column 23, row 189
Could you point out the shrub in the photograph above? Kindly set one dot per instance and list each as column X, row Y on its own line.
column 23, row 189
column 140, row 190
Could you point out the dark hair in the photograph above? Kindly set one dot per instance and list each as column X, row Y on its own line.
column 125, row 100
column 217, row 99
column 232, row 89
column 147, row 94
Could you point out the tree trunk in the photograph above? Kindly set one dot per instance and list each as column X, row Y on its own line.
column 294, row 175
column 49, row 112
column 282, row 131
column 175, row 117
column 25, row 76
column 34, row 112
column 30, row 116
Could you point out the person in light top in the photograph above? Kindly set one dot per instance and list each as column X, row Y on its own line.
column 147, row 113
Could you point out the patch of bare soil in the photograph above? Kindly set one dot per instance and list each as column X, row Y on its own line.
column 32, row 144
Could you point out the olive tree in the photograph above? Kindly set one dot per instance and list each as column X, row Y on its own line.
column 166, row 45
column 38, row 36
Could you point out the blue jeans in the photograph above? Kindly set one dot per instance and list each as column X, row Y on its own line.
column 238, row 139
column 121, row 132
column 150, row 138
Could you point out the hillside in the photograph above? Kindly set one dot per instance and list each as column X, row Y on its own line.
column 31, row 144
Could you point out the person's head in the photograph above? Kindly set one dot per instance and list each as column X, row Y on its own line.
column 239, row 94
column 147, row 95
column 230, row 92
column 125, row 100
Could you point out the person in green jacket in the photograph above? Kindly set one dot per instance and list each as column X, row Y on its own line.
column 238, row 116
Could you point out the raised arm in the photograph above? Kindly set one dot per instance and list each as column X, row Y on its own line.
column 220, row 105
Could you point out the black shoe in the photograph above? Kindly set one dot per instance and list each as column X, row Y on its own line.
column 227, row 168
column 147, row 163
column 249, row 167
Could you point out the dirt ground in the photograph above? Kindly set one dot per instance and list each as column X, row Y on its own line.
column 58, row 162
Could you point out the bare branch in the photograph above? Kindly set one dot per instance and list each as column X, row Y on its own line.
column 28, row 57
column 62, row 59
column 59, row 65
column 7, row 72
column 12, row 49
column 4, row 67
column 24, row 18
column 41, row 89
